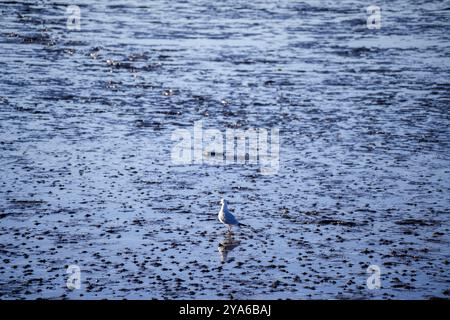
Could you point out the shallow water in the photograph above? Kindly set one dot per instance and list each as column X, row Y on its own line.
column 85, row 138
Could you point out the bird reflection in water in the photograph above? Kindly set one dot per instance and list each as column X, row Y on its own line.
column 227, row 245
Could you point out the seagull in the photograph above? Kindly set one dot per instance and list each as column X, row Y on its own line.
column 226, row 217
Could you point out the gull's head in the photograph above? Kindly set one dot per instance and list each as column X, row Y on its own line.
column 223, row 201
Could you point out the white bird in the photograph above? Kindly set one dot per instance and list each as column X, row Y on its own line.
column 226, row 217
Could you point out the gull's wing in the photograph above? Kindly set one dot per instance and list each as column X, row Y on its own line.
column 229, row 218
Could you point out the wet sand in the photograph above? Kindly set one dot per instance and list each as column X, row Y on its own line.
column 85, row 140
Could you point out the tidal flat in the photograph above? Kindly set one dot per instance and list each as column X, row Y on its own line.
column 87, row 179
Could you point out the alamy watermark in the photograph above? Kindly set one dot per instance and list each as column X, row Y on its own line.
column 211, row 146
column 374, row 280
column 73, row 18
column 74, row 280
column 374, row 19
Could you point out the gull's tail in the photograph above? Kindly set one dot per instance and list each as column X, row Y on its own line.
column 248, row 227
